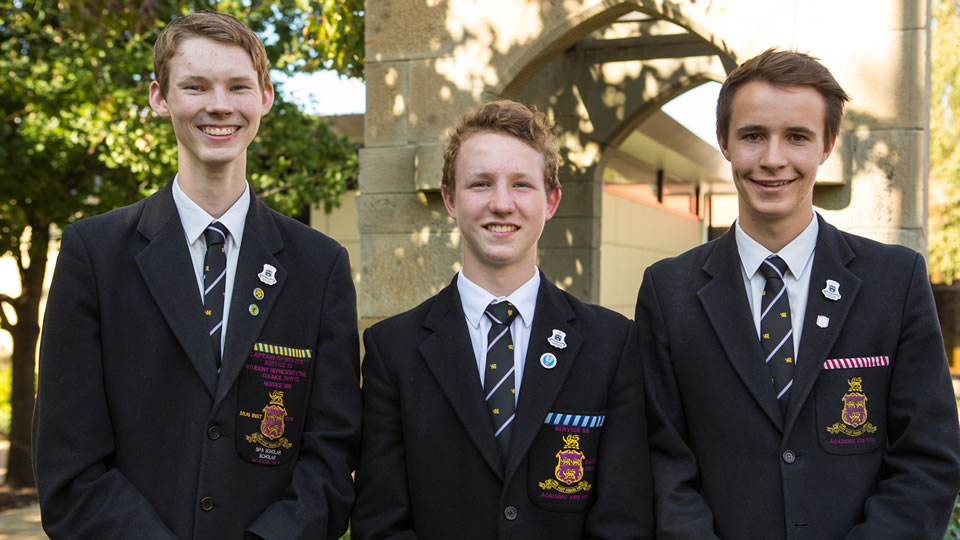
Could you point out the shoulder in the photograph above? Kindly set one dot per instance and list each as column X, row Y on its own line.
column 405, row 322
column 299, row 234
column 595, row 318
column 870, row 257
column 684, row 271
column 110, row 229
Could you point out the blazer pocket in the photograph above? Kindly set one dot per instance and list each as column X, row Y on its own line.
column 851, row 404
column 563, row 461
column 271, row 403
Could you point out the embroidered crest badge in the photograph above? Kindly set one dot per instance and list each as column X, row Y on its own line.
column 272, row 424
column 854, row 412
column 569, row 469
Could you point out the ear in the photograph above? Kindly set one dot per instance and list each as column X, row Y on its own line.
column 553, row 202
column 828, row 149
column 721, row 141
column 157, row 102
column 448, row 202
column 266, row 99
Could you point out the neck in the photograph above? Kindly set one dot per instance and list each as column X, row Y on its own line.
column 774, row 235
column 499, row 283
column 213, row 189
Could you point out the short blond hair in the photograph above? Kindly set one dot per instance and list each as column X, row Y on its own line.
column 219, row 27
column 509, row 118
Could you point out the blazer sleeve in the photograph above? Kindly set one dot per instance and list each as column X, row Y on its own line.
column 624, row 505
column 81, row 494
column 681, row 511
column 383, row 500
column 318, row 501
column 916, row 494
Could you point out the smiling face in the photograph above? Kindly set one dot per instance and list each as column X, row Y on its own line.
column 501, row 205
column 775, row 144
column 215, row 102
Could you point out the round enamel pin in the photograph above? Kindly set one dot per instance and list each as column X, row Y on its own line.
column 254, row 310
column 548, row 360
column 258, row 293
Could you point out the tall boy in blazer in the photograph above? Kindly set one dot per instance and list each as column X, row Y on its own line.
column 477, row 426
column 797, row 377
column 199, row 373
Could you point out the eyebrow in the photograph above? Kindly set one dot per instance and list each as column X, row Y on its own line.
column 763, row 129
column 204, row 79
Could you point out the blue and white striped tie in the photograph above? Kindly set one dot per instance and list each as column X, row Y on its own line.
column 214, row 283
column 499, row 383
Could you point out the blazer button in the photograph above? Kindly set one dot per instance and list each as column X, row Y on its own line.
column 214, row 433
column 510, row 513
column 206, row 504
column 789, row 456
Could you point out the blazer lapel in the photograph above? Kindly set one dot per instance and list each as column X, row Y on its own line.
column 829, row 262
column 725, row 302
column 449, row 355
column 168, row 272
column 261, row 241
column 540, row 386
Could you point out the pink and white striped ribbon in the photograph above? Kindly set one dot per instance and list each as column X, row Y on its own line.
column 859, row 362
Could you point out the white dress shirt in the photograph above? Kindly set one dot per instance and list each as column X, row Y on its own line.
column 195, row 220
column 798, row 255
column 475, row 300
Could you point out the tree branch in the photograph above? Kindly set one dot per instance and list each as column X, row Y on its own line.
column 4, row 322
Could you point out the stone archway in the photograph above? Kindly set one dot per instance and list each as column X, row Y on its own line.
column 429, row 61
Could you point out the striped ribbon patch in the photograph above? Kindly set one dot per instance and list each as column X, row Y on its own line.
column 576, row 420
column 860, row 362
column 289, row 352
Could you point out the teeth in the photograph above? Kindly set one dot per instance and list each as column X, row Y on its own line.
column 774, row 184
column 219, row 130
column 502, row 228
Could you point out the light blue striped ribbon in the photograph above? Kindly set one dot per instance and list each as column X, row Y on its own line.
column 574, row 420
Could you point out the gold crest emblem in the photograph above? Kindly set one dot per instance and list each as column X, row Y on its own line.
column 569, row 469
column 854, row 412
column 272, row 424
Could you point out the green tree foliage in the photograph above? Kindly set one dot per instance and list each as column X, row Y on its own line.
column 945, row 140
column 78, row 137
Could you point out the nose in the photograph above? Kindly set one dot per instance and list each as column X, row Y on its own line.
column 219, row 102
column 774, row 156
column 501, row 199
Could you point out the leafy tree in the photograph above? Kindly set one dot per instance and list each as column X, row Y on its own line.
column 945, row 140
column 77, row 135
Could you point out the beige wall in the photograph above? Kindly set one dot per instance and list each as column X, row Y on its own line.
column 341, row 225
column 636, row 234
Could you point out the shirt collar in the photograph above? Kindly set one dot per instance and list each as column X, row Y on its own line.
column 475, row 299
column 796, row 254
column 196, row 219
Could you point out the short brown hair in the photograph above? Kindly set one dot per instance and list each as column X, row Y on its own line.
column 219, row 27
column 508, row 118
column 784, row 68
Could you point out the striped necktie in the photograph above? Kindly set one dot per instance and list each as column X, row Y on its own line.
column 214, row 283
column 776, row 329
column 499, row 384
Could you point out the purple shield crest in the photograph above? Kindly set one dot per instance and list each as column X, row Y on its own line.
column 274, row 417
column 854, row 409
column 569, row 467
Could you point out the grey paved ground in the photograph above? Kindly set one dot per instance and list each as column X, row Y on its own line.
column 21, row 524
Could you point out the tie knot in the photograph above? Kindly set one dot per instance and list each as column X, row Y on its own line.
column 773, row 267
column 502, row 313
column 215, row 233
